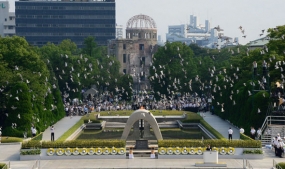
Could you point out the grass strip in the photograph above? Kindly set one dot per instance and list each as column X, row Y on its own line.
column 71, row 130
column 5, row 139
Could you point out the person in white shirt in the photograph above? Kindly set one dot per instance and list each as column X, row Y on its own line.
column 275, row 143
column 241, row 130
column 52, row 133
column 252, row 132
column 280, row 148
column 230, row 131
column 34, row 131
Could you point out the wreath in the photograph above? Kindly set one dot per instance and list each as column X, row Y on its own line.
column 192, row 151
column 122, row 151
column 231, row 150
column 106, row 151
column 199, row 151
column 68, row 151
column 177, row 151
column 91, row 151
column 50, row 151
column 99, row 151
column 215, row 149
column 60, row 151
column 169, row 150
column 114, row 151
column 223, row 151
column 76, row 151
column 83, row 151
column 184, row 151
column 162, row 150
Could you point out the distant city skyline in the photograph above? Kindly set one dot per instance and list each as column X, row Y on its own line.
column 253, row 15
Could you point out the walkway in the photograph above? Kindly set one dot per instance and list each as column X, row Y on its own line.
column 61, row 127
column 221, row 125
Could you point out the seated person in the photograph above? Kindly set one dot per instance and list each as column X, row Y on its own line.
column 209, row 148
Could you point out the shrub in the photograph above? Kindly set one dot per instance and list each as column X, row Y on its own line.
column 5, row 139
column 38, row 137
column 74, row 144
column 31, row 144
column 253, row 151
column 3, row 166
column 282, row 165
column 213, row 143
column 245, row 137
column 31, row 152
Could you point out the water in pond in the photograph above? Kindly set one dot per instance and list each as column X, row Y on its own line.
column 194, row 133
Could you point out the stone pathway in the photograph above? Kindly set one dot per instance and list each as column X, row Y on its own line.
column 221, row 125
column 61, row 127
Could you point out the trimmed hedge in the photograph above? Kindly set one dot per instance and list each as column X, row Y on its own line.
column 213, row 143
column 74, row 144
column 5, row 139
column 3, row 166
column 245, row 137
column 31, row 152
column 282, row 165
column 256, row 151
column 38, row 137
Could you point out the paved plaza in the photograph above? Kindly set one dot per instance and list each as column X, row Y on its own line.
column 10, row 153
column 60, row 127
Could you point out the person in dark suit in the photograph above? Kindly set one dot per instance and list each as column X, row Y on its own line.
column 209, row 148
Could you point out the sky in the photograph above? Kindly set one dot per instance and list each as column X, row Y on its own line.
column 252, row 15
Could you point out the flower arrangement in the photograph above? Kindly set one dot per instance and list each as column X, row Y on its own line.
column 50, row 152
column 223, row 151
column 68, row 151
column 60, row 151
column 162, row 150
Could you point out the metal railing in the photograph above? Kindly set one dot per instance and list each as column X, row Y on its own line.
column 275, row 165
column 269, row 120
column 36, row 165
column 246, row 164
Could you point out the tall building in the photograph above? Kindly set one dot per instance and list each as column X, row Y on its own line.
column 7, row 20
column 135, row 51
column 119, row 31
column 202, row 35
column 42, row 21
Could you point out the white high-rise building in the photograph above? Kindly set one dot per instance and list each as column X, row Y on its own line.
column 202, row 35
column 7, row 20
column 119, row 31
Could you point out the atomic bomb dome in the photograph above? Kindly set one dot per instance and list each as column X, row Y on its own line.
column 141, row 22
column 136, row 50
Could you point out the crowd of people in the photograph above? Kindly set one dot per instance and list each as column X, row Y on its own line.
column 278, row 145
column 194, row 104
